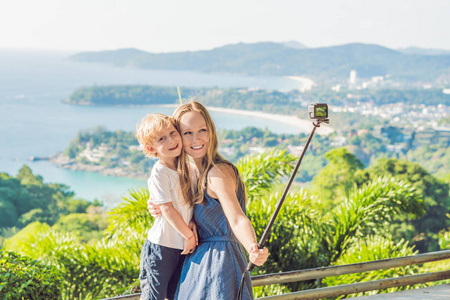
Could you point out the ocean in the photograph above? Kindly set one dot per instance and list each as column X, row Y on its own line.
column 35, row 122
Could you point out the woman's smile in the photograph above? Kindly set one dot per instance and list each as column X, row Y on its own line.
column 197, row 147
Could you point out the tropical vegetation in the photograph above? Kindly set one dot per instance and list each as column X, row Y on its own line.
column 312, row 230
column 26, row 198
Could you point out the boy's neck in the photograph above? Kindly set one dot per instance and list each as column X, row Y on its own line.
column 169, row 162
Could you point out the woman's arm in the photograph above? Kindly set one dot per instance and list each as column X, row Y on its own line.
column 222, row 185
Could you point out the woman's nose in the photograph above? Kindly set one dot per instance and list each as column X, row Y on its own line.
column 196, row 137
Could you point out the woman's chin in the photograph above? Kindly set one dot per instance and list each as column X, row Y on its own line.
column 196, row 153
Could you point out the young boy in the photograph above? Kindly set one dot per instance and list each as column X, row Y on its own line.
column 170, row 237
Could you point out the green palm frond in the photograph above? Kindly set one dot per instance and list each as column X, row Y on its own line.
column 261, row 171
column 370, row 209
column 290, row 242
column 131, row 215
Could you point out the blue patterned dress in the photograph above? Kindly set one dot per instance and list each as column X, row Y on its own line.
column 214, row 270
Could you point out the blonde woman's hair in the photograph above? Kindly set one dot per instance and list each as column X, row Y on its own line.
column 148, row 128
column 212, row 156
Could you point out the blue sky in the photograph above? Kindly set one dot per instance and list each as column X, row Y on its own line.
column 189, row 25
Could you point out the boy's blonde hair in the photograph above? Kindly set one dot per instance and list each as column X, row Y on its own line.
column 148, row 128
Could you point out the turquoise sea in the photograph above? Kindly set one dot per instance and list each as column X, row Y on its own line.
column 34, row 121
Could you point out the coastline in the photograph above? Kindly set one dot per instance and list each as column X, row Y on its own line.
column 301, row 124
column 64, row 162
column 307, row 83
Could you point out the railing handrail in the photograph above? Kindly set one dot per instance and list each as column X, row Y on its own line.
column 315, row 273
column 322, row 272
column 346, row 289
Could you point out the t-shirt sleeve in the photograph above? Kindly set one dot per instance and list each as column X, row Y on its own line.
column 159, row 186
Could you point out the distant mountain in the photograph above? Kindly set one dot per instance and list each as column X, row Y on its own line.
column 294, row 44
column 277, row 59
column 120, row 57
column 423, row 51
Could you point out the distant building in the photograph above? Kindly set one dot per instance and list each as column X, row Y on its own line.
column 256, row 149
column 432, row 136
column 352, row 79
column 405, row 138
column 228, row 151
column 338, row 141
column 295, row 150
column 397, row 148
column 96, row 154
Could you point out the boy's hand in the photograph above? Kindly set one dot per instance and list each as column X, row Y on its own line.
column 193, row 227
column 153, row 208
column 189, row 245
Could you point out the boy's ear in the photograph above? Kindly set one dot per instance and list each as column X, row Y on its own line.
column 150, row 149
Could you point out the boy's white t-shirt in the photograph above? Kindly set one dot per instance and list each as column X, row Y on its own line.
column 164, row 186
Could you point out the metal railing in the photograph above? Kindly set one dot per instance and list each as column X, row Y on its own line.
column 318, row 273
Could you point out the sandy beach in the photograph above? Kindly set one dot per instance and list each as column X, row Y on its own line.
column 301, row 124
column 306, row 82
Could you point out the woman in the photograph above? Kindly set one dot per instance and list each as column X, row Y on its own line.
column 214, row 270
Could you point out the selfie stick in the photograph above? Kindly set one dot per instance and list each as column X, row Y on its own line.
column 265, row 235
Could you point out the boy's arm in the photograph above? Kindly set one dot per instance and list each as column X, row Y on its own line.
column 174, row 218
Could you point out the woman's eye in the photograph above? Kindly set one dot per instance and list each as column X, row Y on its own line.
column 202, row 130
column 187, row 132
column 173, row 132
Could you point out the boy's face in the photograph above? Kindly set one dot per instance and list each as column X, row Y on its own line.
column 167, row 143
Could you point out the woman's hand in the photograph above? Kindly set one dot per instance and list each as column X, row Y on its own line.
column 258, row 256
column 153, row 208
column 193, row 227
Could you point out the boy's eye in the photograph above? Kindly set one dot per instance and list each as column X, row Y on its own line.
column 161, row 138
column 173, row 132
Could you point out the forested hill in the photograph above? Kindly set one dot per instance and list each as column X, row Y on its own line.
column 250, row 99
column 278, row 59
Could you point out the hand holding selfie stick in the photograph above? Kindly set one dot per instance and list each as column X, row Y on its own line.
column 319, row 112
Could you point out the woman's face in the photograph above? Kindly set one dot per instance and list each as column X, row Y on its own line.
column 194, row 134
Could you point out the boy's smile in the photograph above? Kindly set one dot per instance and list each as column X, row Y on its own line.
column 167, row 145
column 174, row 148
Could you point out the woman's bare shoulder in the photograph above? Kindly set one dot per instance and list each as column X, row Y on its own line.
column 223, row 170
